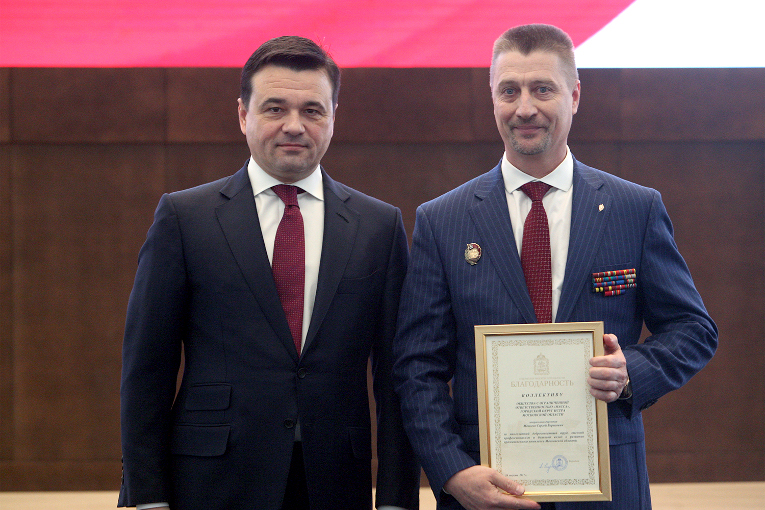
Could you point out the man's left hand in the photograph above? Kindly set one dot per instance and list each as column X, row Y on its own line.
column 608, row 373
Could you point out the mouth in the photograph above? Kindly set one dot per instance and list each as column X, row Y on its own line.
column 291, row 146
column 528, row 132
column 527, row 129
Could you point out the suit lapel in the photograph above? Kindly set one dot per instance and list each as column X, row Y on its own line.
column 492, row 219
column 588, row 220
column 238, row 218
column 340, row 227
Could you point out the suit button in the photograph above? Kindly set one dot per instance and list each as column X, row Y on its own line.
column 301, row 372
column 288, row 423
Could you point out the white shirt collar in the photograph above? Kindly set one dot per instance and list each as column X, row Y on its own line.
column 261, row 181
column 561, row 178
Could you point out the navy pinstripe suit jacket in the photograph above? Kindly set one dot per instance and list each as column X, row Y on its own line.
column 444, row 297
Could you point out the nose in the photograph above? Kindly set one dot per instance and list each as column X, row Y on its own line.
column 293, row 124
column 526, row 106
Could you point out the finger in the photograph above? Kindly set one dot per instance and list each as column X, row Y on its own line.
column 522, row 504
column 600, row 376
column 525, row 504
column 506, row 484
column 611, row 362
column 512, row 502
column 605, row 396
column 511, row 492
column 609, row 373
column 610, row 344
column 530, row 505
column 605, row 384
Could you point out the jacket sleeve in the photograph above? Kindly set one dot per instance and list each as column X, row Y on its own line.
column 151, row 356
column 425, row 350
column 683, row 335
column 398, row 473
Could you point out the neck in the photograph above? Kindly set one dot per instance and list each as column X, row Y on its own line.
column 536, row 165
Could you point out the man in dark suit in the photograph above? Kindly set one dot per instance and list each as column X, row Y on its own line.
column 594, row 222
column 272, row 411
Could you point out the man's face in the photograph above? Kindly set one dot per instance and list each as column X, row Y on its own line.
column 289, row 121
column 534, row 103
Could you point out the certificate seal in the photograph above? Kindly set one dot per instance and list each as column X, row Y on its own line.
column 559, row 463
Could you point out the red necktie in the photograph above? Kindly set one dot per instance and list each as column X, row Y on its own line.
column 288, row 261
column 535, row 252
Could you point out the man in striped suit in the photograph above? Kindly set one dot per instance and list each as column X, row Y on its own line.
column 596, row 223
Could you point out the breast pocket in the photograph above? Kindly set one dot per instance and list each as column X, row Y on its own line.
column 358, row 285
column 613, row 280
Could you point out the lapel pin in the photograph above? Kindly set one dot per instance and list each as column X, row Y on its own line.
column 472, row 253
column 601, row 207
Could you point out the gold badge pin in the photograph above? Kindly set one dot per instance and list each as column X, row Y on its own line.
column 601, row 207
column 472, row 253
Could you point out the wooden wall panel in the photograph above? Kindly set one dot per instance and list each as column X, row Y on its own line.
column 61, row 475
column 714, row 233
column 6, row 308
column 604, row 156
column 599, row 116
column 407, row 175
column 190, row 165
column 693, row 104
column 79, row 214
column 481, row 106
column 405, row 106
column 5, row 105
column 202, row 105
column 86, row 153
column 88, row 105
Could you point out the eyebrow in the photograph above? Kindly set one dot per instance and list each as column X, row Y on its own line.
column 271, row 100
column 281, row 101
column 533, row 82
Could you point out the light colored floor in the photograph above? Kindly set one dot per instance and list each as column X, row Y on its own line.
column 680, row 496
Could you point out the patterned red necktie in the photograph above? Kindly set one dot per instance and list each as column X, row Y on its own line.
column 288, row 264
column 535, row 252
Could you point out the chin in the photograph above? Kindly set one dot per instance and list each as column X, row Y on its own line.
column 295, row 173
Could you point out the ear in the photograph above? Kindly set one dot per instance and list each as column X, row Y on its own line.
column 242, row 116
column 575, row 97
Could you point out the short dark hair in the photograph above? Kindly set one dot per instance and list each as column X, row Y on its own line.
column 292, row 52
column 538, row 37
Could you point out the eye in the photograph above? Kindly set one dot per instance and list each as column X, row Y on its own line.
column 314, row 113
column 508, row 93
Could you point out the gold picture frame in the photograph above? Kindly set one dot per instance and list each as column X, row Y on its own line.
column 538, row 423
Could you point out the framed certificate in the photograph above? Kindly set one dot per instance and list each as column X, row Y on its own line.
column 538, row 423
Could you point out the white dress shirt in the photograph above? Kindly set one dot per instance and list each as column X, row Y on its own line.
column 557, row 203
column 270, row 210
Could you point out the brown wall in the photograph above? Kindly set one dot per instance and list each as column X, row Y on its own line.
column 86, row 153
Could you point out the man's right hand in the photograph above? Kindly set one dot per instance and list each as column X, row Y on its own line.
column 483, row 488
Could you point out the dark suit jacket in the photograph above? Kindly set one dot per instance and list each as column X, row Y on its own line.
column 204, row 285
column 444, row 297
